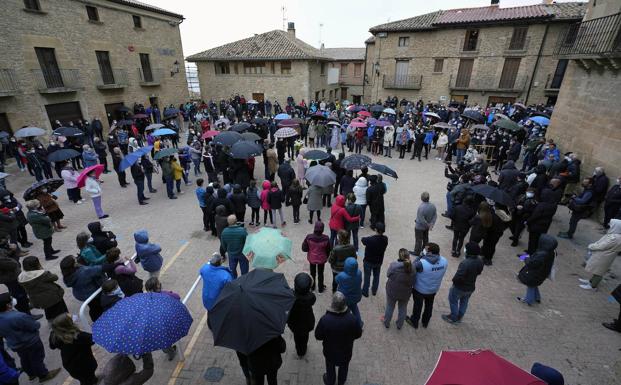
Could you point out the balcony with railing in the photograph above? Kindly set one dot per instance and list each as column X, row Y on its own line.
column 54, row 80
column 403, row 82
column 488, row 84
column 9, row 85
column 593, row 38
column 150, row 77
column 113, row 79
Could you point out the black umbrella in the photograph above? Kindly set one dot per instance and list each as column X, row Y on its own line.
column 473, row 115
column 384, row 170
column 494, row 193
column 67, row 132
column 355, row 162
column 60, row 155
column 316, row 155
column 251, row 310
column 250, row 136
column 240, row 127
column 245, row 150
column 377, row 109
column 318, row 116
column 124, row 122
column 50, row 184
column 260, row 121
column 227, row 138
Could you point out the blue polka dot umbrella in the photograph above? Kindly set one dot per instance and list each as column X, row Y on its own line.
column 142, row 323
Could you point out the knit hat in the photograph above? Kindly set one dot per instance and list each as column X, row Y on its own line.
column 472, row 248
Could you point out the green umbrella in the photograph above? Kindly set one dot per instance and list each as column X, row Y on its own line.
column 267, row 248
column 165, row 152
column 507, row 124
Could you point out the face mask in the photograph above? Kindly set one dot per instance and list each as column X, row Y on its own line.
column 118, row 293
column 13, row 302
column 530, row 195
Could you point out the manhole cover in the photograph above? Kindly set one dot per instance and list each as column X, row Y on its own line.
column 214, row 374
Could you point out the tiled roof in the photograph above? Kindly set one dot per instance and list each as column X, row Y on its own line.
column 147, row 7
column 273, row 45
column 566, row 11
column 345, row 53
column 417, row 23
column 491, row 14
column 370, row 40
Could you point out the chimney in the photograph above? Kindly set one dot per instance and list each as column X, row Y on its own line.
column 495, row 3
column 291, row 29
column 322, row 47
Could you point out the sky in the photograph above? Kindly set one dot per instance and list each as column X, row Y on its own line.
column 211, row 23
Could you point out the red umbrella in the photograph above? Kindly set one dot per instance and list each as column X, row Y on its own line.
column 478, row 367
column 364, row 113
column 209, row 134
column 288, row 123
column 358, row 124
column 98, row 168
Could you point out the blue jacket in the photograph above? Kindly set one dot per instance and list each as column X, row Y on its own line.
column 201, row 195
column 84, row 281
column 19, row 329
column 350, row 281
column 214, row 279
column 430, row 270
column 428, row 137
column 90, row 158
column 8, row 374
column 148, row 254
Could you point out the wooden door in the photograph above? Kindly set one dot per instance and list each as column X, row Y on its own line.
column 464, row 72
column 64, row 112
column 4, row 124
column 259, row 97
column 509, row 73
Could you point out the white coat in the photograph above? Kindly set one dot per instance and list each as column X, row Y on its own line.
column 605, row 250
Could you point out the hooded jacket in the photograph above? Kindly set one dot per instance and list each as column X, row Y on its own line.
column 265, row 203
column 41, row 287
column 286, row 174
column 508, row 175
column 360, row 190
column 301, row 316
column 214, row 279
column 466, row 275
column 147, row 254
column 350, row 282
column 221, row 219
column 9, row 269
column 338, row 214
column 605, row 250
column 317, row 245
column 41, row 224
column 339, row 254
column 275, row 198
column 539, row 265
column 20, row 330
column 399, row 283
column 252, row 198
column 84, row 281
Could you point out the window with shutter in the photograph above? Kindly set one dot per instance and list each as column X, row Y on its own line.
column 357, row 70
column 145, row 63
column 438, row 65
column 464, row 72
column 518, row 39
column 49, row 67
column 103, row 59
column 471, row 40
column 509, row 73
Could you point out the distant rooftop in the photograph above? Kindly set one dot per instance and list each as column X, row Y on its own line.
column 342, row 54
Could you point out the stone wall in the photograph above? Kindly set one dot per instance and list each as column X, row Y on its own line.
column 64, row 26
column 493, row 42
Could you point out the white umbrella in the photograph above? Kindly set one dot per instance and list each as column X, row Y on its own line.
column 389, row 111
column 333, row 123
column 433, row 115
column 29, row 131
column 286, row 132
column 154, row 126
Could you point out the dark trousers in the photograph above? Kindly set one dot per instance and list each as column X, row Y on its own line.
column 22, row 236
column 421, row 238
column 488, row 249
column 318, row 215
column 104, row 160
column 255, row 216
column 331, row 376
column 241, row 215
column 169, row 187
column 31, row 359
column 47, row 248
column 17, row 291
column 149, row 177
column 402, row 148
column 140, row 189
column 55, row 310
column 317, row 274
column 458, row 241
column 296, row 214
column 371, row 268
column 301, row 343
column 354, row 236
column 243, row 362
column 206, row 224
column 272, row 377
column 265, row 214
column 573, row 223
column 419, row 300
column 376, row 216
column 334, row 284
column 74, row 194
column 121, row 177
column 533, row 241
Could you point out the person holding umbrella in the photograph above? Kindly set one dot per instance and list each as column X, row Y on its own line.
column 70, row 177
column 92, row 186
column 41, row 227
column 75, row 349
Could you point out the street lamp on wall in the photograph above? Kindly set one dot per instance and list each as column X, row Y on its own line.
column 175, row 69
column 376, row 66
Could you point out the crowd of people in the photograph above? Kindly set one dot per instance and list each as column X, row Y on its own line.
column 486, row 196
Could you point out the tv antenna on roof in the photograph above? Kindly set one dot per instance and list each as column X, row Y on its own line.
column 284, row 18
column 320, row 28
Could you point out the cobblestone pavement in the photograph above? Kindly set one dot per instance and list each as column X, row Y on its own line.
column 564, row 331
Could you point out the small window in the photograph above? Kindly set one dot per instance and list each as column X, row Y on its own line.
column 254, row 67
column 357, row 70
column 438, row 65
column 222, row 68
column 344, row 67
column 323, row 69
column 272, row 67
column 137, row 21
column 285, row 67
column 32, row 5
column 93, row 14
column 518, row 39
column 404, row 41
column 471, row 40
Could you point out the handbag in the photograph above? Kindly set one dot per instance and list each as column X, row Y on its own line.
column 305, row 200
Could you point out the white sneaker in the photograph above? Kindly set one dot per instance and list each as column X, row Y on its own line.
column 584, row 281
column 82, row 200
column 587, row 287
column 79, row 202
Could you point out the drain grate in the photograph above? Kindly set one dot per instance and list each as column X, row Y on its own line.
column 213, row 374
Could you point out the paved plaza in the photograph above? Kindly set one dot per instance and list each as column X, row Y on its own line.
column 564, row 331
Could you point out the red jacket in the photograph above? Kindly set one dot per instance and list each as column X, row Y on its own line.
column 338, row 214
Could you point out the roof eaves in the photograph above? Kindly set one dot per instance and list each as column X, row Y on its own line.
column 147, row 7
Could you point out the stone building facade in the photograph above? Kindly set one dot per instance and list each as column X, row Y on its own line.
column 474, row 55
column 587, row 116
column 69, row 60
column 349, row 62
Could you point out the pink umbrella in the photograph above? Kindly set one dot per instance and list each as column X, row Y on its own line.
column 358, row 124
column 98, row 168
column 209, row 134
column 364, row 113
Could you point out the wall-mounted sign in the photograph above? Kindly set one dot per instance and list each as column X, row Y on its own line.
column 166, row 51
column 131, row 48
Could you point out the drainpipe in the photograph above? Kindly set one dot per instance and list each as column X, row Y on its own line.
column 364, row 72
column 532, row 76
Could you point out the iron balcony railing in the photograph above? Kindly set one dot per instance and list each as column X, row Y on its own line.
column 55, row 80
column 150, row 76
column 488, row 84
column 405, row 82
column 596, row 37
column 8, row 82
column 112, row 79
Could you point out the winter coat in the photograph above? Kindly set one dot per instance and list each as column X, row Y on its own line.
column 339, row 254
column 214, row 279
column 275, row 198
column 286, row 174
column 9, row 269
column 92, row 187
column 272, row 161
column 84, row 281
column 41, row 287
column 125, row 275
column 238, row 200
column 314, row 198
column 375, row 197
column 41, row 224
column 147, row 254
column 167, row 171
column 252, row 198
column 539, row 265
column 177, row 170
column 20, row 330
column 350, row 281
column 221, row 219
column 375, row 247
column 317, row 245
column 508, row 175
column 360, row 190
column 466, row 275
column 339, row 215
column 48, row 203
column 347, row 185
column 77, row 357
column 338, row 331
column 91, row 256
column 70, row 177
column 399, row 283
column 425, row 216
column 268, row 356
column 294, row 196
column 462, row 215
column 224, row 201
column 265, row 204
column 102, row 240
column 301, row 317
column 605, row 250
column 90, row 158
column 233, row 239
column 540, row 219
